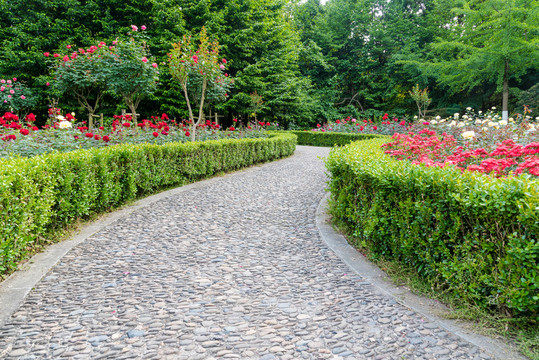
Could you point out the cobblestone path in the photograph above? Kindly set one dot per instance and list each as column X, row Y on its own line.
column 235, row 269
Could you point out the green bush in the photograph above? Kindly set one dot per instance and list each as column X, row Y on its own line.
column 329, row 139
column 471, row 234
column 41, row 194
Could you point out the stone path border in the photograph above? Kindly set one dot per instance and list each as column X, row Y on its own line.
column 428, row 308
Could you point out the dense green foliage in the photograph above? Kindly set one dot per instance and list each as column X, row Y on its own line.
column 470, row 234
column 44, row 193
column 329, row 139
column 299, row 62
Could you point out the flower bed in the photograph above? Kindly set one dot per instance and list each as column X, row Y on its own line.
column 430, row 149
column 40, row 194
column 469, row 233
column 25, row 139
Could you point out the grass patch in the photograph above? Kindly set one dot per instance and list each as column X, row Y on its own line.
column 523, row 335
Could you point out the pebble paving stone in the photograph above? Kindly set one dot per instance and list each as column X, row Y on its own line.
column 232, row 270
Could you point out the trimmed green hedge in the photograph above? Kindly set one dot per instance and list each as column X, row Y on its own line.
column 474, row 235
column 41, row 194
column 329, row 139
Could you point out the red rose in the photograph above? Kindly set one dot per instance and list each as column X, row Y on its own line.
column 126, row 124
column 106, row 138
column 187, row 134
column 24, row 132
column 89, row 135
column 231, row 128
column 97, row 137
column 155, row 134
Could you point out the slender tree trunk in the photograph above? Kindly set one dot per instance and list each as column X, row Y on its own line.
column 202, row 96
column 131, row 104
column 505, row 91
column 191, row 119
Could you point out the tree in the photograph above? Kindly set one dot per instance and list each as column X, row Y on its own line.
column 197, row 69
column 132, row 74
column 492, row 42
column 85, row 74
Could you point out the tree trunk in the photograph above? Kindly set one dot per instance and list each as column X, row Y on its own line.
column 505, row 91
column 133, row 109
column 202, row 96
column 191, row 119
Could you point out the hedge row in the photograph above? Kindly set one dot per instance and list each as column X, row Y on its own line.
column 329, row 139
column 44, row 193
column 471, row 234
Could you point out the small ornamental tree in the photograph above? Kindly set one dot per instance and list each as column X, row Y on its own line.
column 15, row 97
column 198, row 70
column 422, row 100
column 133, row 74
column 84, row 73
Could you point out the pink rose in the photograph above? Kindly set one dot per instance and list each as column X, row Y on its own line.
column 23, row 97
column 2, row 88
column 222, row 67
column 143, row 27
column 154, row 65
column 145, row 59
column 48, row 83
column 46, row 54
column 134, row 28
column 12, row 91
column 68, row 46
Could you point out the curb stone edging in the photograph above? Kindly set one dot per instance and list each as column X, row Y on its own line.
column 428, row 308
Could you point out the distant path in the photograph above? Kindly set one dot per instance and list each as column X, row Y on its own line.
column 232, row 269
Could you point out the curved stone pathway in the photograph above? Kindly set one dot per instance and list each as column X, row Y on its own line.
column 232, row 269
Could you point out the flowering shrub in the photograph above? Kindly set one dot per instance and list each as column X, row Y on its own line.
column 25, row 139
column 15, row 96
column 429, row 149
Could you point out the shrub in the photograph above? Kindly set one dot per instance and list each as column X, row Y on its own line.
column 315, row 138
column 472, row 234
column 38, row 195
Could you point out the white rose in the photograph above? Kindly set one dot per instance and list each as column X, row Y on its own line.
column 469, row 108
column 434, row 122
column 468, row 134
column 491, row 124
column 461, row 124
column 438, row 117
column 465, row 117
column 485, row 128
column 494, row 108
column 453, row 123
column 64, row 125
column 456, row 115
column 479, row 112
column 478, row 121
column 502, row 122
column 60, row 118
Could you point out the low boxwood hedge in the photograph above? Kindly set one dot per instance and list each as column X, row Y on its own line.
column 472, row 234
column 329, row 139
column 48, row 192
